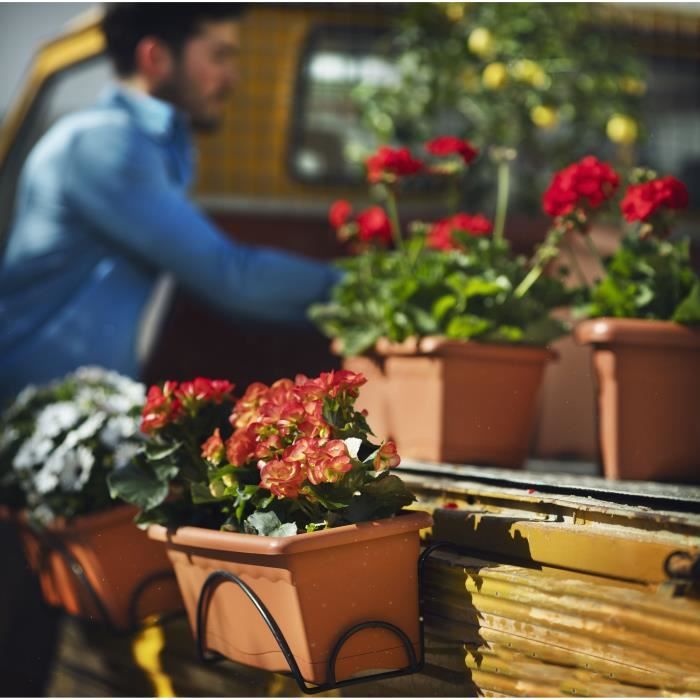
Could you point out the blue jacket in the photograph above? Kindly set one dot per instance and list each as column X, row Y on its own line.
column 101, row 213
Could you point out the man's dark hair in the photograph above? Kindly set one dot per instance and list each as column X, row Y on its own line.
column 125, row 24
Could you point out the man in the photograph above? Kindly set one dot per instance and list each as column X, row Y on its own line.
column 102, row 213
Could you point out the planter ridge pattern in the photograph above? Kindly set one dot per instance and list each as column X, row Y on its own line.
column 315, row 586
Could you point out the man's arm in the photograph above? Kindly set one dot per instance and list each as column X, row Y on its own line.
column 116, row 180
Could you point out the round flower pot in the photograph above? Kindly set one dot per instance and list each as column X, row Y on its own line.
column 315, row 585
column 129, row 573
column 648, row 397
column 456, row 401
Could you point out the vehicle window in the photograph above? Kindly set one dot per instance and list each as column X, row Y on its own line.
column 328, row 137
column 67, row 91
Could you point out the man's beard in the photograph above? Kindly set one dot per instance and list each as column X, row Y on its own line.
column 177, row 92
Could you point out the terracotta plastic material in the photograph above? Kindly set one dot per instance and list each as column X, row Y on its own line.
column 116, row 556
column 648, row 397
column 315, row 585
column 457, row 401
column 374, row 397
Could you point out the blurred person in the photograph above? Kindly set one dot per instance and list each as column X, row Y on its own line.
column 102, row 215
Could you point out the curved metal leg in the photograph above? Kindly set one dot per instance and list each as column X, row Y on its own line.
column 134, row 623
column 51, row 543
column 218, row 576
column 76, row 568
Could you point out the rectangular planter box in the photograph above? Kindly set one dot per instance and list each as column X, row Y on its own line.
column 455, row 401
column 315, row 585
column 117, row 558
column 648, row 397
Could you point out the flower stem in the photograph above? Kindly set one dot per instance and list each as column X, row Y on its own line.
column 574, row 262
column 394, row 219
column 503, row 184
column 546, row 252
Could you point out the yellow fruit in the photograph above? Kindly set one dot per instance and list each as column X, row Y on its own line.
column 544, row 117
column 480, row 42
column 454, row 11
column 494, row 76
column 622, row 129
column 530, row 72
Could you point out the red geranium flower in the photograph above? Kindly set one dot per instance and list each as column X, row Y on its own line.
column 586, row 183
column 339, row 213
column 451, row 145
column 374, row 225
column 440, row 235
column 394, row 162
column 644, row 200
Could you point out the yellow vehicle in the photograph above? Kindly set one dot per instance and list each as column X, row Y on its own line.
column 565, row 584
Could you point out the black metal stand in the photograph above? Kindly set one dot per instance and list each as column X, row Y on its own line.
column 51, row 543
column 414, row 665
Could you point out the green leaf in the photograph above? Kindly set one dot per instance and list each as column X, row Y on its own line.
column 137, row 486
column 268, row 524
column 467, row 326
column 155, row 453
column 688, row 311
column 165, row 472
column 201, row 494
column 285, row 530
column 380, row 498
column 443, row 305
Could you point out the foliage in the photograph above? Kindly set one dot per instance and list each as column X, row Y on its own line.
column 59, row 441
column 544, row 79
column 465, row 294
column 648, row 278
column 289, row 458
column 450, row 277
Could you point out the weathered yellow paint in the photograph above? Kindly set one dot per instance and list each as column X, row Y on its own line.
column 146, row 648
column 534, row 625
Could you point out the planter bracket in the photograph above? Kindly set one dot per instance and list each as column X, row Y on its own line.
column 415, row 664
column 50, row 543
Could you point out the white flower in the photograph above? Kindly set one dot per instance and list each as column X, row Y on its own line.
column 32, row 452
column 124, row 453
column 117, row 429
column 353, row 445
column 8, row 437
column 46, row 480
column 22, row 399
column 76, row 468
column 43, row 514
column 86, row 429
column 55, row 418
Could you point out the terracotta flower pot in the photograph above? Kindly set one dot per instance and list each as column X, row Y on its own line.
column 315, row 585
column 648, row 397
column 116, row 558
column 455, row 401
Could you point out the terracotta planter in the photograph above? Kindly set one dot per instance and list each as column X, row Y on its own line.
column 316, row 586
column 648, row 397
column 456, row 401
column 374, row 397
column 116, row 558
